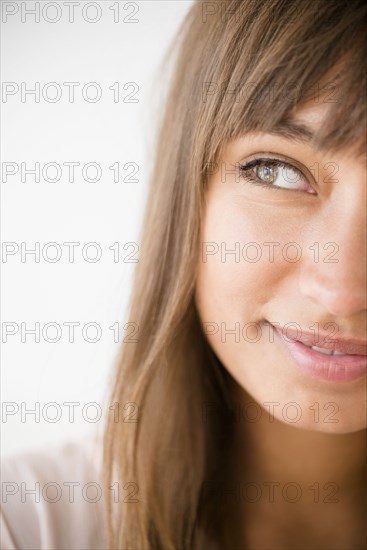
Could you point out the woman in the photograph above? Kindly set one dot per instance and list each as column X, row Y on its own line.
column 238, row 434
column 253, row 250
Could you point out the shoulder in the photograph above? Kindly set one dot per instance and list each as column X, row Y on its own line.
column 54, row 499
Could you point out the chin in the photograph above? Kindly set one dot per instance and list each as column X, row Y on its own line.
column 298, row 401
column 346, row 424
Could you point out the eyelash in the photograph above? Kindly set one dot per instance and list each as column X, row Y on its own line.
column 244, row 168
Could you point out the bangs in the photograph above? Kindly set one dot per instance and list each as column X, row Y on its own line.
column 280, row 56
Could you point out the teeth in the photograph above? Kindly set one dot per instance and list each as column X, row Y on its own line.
column 323, row 350
column 326, row 351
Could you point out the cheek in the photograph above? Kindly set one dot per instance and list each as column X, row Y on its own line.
column 233, row 298
column 238, row 287
column 240, row 267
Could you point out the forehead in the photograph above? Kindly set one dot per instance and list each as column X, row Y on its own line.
column 296, row 134
column 311, row 114
column 328, row 116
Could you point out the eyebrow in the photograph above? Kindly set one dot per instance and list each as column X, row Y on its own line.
column 291, row 130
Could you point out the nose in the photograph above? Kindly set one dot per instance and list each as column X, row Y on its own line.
column 334, row 274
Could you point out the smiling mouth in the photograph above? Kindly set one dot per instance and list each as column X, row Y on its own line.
column 324, row 343
column 337, row 360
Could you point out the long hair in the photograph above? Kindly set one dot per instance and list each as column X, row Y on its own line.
column 240, row 66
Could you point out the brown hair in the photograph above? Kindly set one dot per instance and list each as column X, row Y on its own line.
column 241, row 66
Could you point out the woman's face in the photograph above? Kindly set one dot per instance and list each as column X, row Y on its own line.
column 283, row 267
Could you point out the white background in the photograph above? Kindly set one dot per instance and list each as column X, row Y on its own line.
column 105, row 212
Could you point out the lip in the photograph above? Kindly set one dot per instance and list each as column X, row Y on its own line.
column 332, row 368
column 350, row 346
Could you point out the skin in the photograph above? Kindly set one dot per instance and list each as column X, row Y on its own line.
column 328, row 446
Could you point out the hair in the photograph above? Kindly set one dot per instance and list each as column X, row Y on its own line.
column 240, row 66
